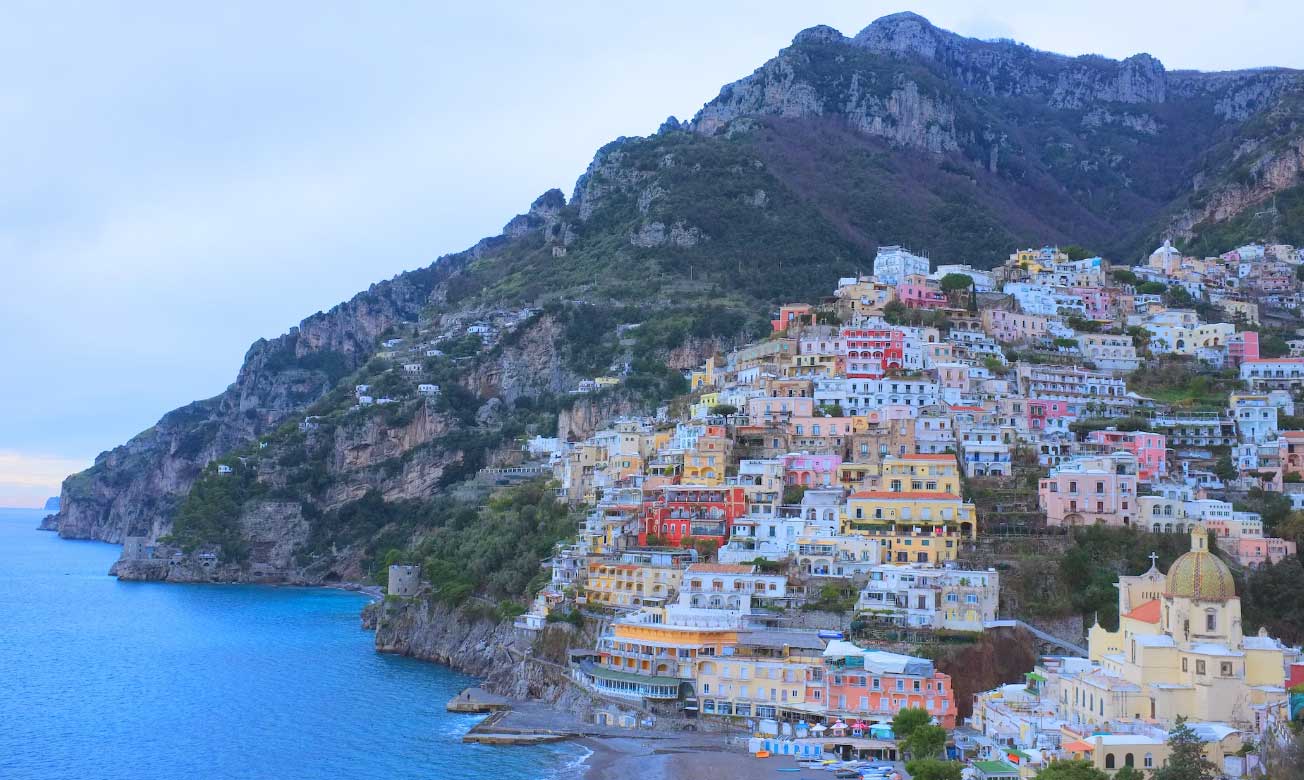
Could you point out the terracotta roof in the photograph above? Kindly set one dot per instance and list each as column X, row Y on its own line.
column 929, row 457
column 720, row 568
column 1147, row 612
column 1078, row 746
column 909, row 495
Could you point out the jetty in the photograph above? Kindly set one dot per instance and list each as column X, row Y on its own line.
column 477, row 701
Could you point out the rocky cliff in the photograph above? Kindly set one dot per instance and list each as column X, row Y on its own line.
column 675, row 244
column 518, row 664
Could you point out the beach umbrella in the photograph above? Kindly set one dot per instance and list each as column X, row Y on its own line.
column 819, row 727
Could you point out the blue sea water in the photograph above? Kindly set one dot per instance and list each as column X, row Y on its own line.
column 143, row 681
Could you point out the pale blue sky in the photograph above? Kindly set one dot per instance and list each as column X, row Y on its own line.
column 181, row 180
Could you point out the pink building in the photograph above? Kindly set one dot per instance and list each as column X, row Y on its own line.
column 1097, row 300
column 1243, row 346
column 1150, row 449
column 811, row 470
column 1242, row 536
column 916, row 293
column 1100, row 490
column 1042, row 411
column 1014, row 327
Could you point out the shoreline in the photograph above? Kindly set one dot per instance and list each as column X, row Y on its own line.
column 665, row 758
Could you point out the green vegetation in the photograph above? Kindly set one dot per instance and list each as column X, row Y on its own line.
column 210, row 514
column 934, row 769
column 1182, row 382
column 1186, row 760
column 1086, row 425
column 1270, row 597
column 907, row 720
column 1076, row 769
column 1082, row 579
column 495, row 550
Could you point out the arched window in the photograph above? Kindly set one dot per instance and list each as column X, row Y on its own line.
column 1149, row 760
column 1109, row 761
column 1210, row 620
column 1128, row 760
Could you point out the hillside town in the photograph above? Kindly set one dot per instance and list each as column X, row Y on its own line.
column 842, row 470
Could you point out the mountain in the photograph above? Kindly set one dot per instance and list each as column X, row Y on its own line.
column 52, row 504
column 788, row 179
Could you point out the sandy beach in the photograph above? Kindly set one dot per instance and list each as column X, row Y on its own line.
column 705, row 756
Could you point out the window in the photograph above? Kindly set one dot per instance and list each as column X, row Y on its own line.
column 1211, row 620
column 1184, row 665
column 1199, row 667
column 1109, row 761
column 1225, row 669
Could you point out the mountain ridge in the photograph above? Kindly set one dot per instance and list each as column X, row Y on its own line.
column 787, row 179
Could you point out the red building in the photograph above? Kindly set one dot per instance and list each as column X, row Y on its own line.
column 678, row 512
column 870, row 352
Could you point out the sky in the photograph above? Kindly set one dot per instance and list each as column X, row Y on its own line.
column 181, row 180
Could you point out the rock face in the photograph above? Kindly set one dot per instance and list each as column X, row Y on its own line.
column 133, row 489
column 835, row 145
column 919, row 87
column 482, row 647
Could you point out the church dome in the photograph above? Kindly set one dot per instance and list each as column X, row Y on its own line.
column 1200, row 574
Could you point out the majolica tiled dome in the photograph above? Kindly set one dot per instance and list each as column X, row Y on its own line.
column 1199, row 574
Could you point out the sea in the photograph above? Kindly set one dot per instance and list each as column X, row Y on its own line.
column 108, row 680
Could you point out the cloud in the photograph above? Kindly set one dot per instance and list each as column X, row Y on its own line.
column 28, row 479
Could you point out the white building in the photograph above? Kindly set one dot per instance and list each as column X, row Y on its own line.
column 930, row 597
column 893, row 264
column 864, row 395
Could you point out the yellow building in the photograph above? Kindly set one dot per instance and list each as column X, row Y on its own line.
column 929, row 473
column 705, row 464
column 1179, row 650
column 703, row 406
column 616, row 584
column 767, row 676
column 864, row 298
column 912, row 526
column 643, row 643
column 704, row 377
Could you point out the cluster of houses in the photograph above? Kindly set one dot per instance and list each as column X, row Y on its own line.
column 832, row 466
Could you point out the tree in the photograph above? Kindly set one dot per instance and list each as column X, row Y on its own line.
column 1129, row 773
column 1186, row 760
column 906, row 721
column 956, row 282
column 1124, row 276
column 934, row 769
column 1224, row 468
column 1152, row 288
column 722, row 410
column 1077, row 252
column 1077, row 769
column 925, row 741
column 1273, row 346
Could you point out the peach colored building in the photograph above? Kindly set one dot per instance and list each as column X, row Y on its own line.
column 875, row 685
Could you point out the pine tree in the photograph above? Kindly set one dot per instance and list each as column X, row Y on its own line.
column 1186, row 761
